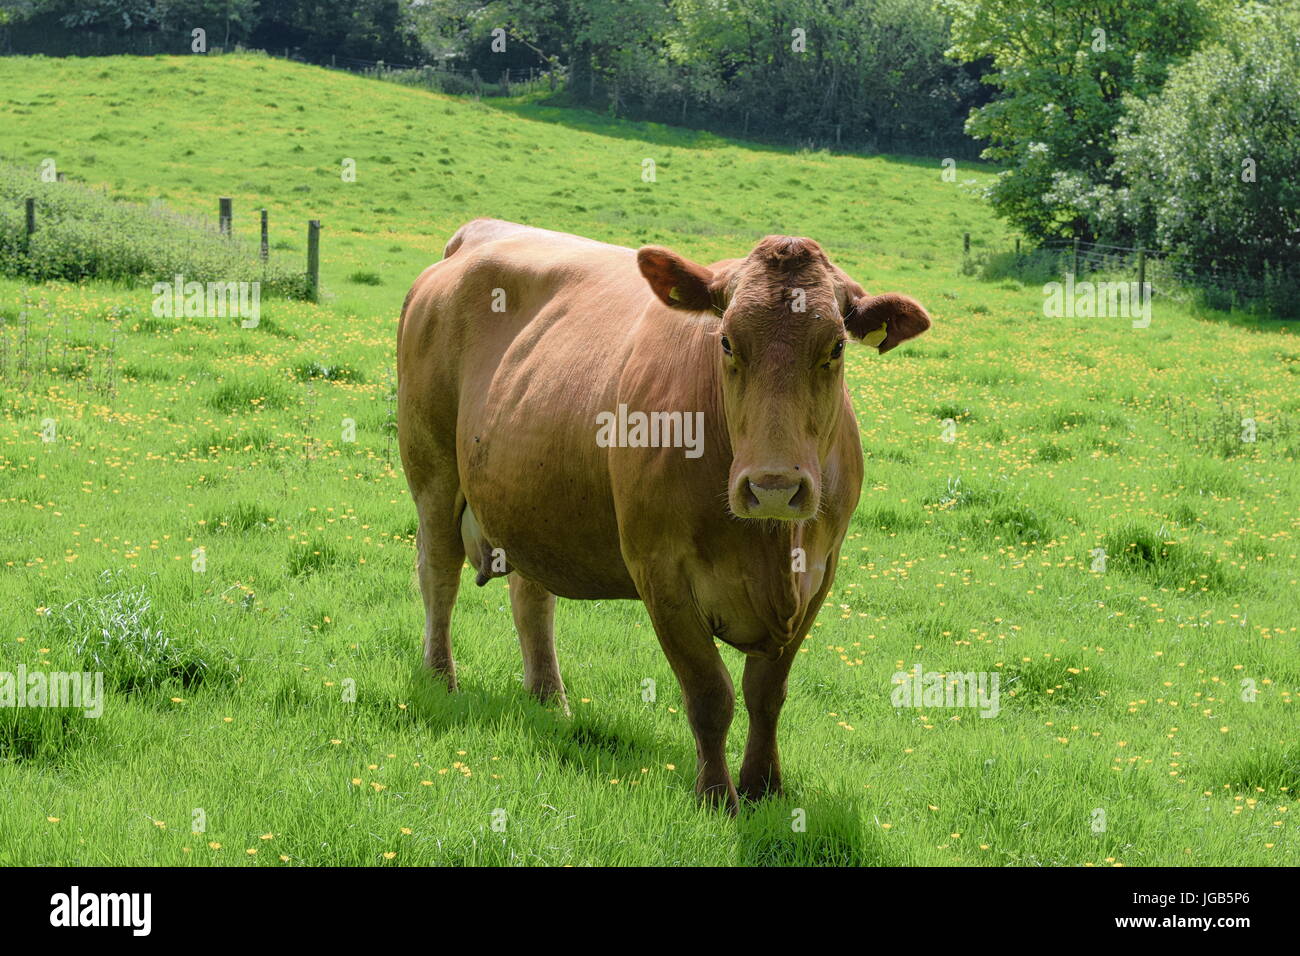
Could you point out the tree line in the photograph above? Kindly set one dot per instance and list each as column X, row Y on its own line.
column 1174, row 125
column 853, row 74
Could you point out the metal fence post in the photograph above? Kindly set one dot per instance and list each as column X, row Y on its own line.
column 224, row 215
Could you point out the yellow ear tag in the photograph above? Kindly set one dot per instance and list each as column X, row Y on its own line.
column 876, row 337
column 674, row 294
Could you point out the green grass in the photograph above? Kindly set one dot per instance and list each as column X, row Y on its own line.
column 1121, row 689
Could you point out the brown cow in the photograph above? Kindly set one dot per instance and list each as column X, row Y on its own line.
column 548, row 386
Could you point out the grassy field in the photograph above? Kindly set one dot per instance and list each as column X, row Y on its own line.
column 1122, row 689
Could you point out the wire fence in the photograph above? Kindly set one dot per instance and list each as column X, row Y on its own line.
column 1100, row 257
column 60, row 230
column 1226, row 285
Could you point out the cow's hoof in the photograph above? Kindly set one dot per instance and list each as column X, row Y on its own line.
column 719, row 797
column 760, row 791
column 552, row 693
column 554, row 698
column 445, row 671
column 760, row 786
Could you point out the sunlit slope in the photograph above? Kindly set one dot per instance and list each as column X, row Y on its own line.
column 276, row 134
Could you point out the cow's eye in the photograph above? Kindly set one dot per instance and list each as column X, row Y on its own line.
column 838, row 350
column 726, row 345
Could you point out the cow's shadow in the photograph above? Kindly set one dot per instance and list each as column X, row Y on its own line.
column 587, row 742
column 808, row 826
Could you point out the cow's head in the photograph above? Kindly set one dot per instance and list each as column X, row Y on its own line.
column 784, row 312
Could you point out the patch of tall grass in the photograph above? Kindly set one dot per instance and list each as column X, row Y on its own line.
column 82, row 233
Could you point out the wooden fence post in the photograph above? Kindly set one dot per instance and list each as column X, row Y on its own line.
column 223, row 215
column 1017, row 248
column 1142, row 271
column 265, row 251
column 313, row 258
column 31, row 217
column 1076, row 257
column 965, row 243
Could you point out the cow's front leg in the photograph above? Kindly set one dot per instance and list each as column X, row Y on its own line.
column 709, row 698
column 764, row 684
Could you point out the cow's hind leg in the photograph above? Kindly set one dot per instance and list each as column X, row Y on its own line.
column 440, row 557
column 533, row 608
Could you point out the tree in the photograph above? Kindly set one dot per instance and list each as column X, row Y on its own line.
column 364, row 29
column 226, row 21
column 1209, row 164
column 105, row 16
column 1063, row 68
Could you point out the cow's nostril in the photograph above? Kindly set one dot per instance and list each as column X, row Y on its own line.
column 800, row 497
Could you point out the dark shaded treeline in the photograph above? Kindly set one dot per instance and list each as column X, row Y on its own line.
column 867, row 74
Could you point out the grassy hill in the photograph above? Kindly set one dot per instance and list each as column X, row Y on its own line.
column 1122, row 688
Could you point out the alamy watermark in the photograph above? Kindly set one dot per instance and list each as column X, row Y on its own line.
column 55, row 689
column 208, row 300
column 624, row 429
column 1100, row 300
column 922, row 688
column 130, row 910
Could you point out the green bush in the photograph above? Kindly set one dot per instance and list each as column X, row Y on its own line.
column 84, row 234
column 1062, row 71
column 1210, row 165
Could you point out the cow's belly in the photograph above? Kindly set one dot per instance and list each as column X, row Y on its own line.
column 560, row 548
column 537, row 481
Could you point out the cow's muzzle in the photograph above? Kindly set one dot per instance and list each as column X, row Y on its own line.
column 787, row 494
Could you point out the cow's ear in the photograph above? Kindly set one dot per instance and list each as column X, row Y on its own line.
column 677, row 282
column 885, row 321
